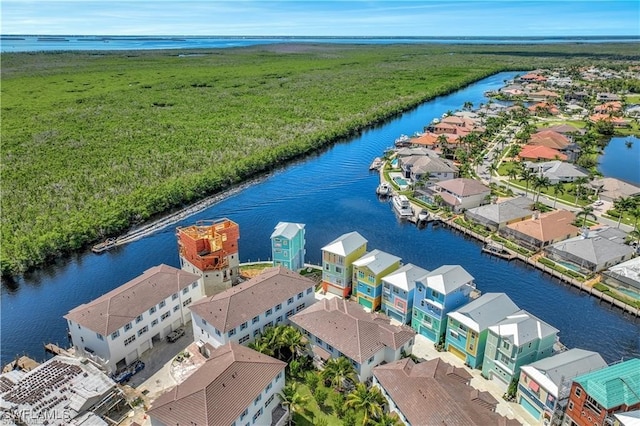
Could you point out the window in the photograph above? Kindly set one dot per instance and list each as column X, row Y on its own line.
column 243, row 326
column 300, row 295
column 243, row 339
column 300, row 307
column 338, row 269
column 269, row 401
column 310, row 290
column 175, row 308
column 279, row 376
column 152, row 310
column 256, row 333
column 255, row 320
column 258, row 398
column 370, row 360
column 289, row 313
column 154, row 322
column 505, row 344
column 435, row 294
column 194, row 285
column 570, row 405
column 257, row 415
column 578, row 392
column 505, row 359
column 174, row 296
column 290, row 301
column 269, row 312
column 162, row 304
column 99, row 336
column 129, row 340
column 330, row 348
column 279, row 319
column 143, row 330
column 326, row 266
column 204, row 321
column 232, row 332
column 165, row 316
column 217, row 332
column 244, row 413
column 269, row 324
column 185, row 290
column 138, row 318
column 278, row 306
column 318, row 340
column 127, row 327
column 186, row 302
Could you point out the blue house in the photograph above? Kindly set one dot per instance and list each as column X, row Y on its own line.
column 287, row 245
column 398, row 289
column 438, row 293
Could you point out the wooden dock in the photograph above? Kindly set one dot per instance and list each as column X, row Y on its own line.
column 55, row 349
column 23, row 363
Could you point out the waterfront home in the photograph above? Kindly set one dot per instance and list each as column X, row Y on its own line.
column 337, row 262
column 543, row 108
column 118, row 327
column 209, row 248
column 549, row 138
column 498, row 215
column 607, row 97
column 532, row 77
column 566, row 130
column 597, row 396
column 612, row 107
column 235, row 386
column 576, row 96
column 544, row 386
column 368, row 271
column 624, row 275
column 462, row 193
column 468, row 326
column 542, row 229
column 610, row 189
column 421, row 167
column 592, row 251
column 398, row 290
column 287, row 245
column 62, row 390
column 242, row 312
column 540, row 153
column 336, row 327
column 558, row 171
column 608, row 118
column 542, row 95
column 438, row 293
column 519, row 339
column 434, row 392
column 433, row 140
column 410, row 152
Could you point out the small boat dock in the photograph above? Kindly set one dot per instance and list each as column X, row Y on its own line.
column 23, row 363
column 55, row 349
column 498, row 251
column 377, row 163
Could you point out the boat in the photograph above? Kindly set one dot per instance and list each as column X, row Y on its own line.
column 107, row 244
column 423, row 215
column 497, row 250
column 384, row 189
column 402, row 206
column 402, row 140
column 377, row 163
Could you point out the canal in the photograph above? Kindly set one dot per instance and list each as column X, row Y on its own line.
column 331, row 192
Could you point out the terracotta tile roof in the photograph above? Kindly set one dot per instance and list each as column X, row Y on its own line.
column 536, row 152
column 219, row 391
column 430, row 139
column 463, row 187
column 550, row 139
column 234, row 306
column 350, row 329
column 437, row 393
column 548, row 227
column 120, row 306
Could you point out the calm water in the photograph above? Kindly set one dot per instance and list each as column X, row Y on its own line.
column 332, row 193
column 31, row 43
column 622, row 161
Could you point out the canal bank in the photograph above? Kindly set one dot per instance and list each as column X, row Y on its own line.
column 332, row 193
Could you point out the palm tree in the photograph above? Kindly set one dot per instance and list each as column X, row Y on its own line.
column 261, row 346
column 586, row 211
column 540, row 182
column 337, row 370
column 369, row 400
column 526, row 174
column 388, row 419
column 292, row 340
column 578, row 186
column 621, row 205
column 438, row 199
column 291, row 399
column 468, row 105
column 493, row 167
column 512, row 172
column 558, row 189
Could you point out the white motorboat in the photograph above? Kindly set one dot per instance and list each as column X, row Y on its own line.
column 384, row 189
column 423, row 215
column 402, row 206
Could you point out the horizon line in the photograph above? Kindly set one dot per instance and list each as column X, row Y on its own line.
column 324, row 36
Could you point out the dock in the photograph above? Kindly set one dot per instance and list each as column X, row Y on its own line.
column 501, row 252
column 55, row 349
column 23, row 363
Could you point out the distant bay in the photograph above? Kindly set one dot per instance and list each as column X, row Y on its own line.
column 47, row 43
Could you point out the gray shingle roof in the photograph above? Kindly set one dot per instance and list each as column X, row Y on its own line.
column 485, row 311
column 447, row 278
column 499, row 213
column 522, row 327
column 345, row 244
column 405, row 278
column 463, row 187
column 350, row 329
column 376, row 260
column 287, row 229
column 118, row 307
column 595, row 250
column 234, row 306
column 219, row 391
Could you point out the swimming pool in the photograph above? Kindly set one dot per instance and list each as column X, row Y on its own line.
column 568, row 265
column 400, row 181
column 628, row 292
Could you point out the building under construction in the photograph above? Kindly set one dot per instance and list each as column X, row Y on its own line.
column 210, row 249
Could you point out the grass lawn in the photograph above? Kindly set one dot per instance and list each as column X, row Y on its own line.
column 313, row 412
column 575, row 123
column 633, row 98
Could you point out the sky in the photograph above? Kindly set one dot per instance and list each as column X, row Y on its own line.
column 322, row 18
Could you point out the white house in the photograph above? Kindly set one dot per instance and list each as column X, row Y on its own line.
column 461, row 194
column 242, row 312
column 235, row 386
column 337, row 327
column 119, row 326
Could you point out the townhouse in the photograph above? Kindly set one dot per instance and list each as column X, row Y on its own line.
column 287, row 245
column 337, row 262
column 368, row 271
column 118, row 327
column 241, row 313
column 398, row 289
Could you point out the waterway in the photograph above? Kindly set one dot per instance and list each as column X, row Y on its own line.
column 331, row 192
column 621, row 159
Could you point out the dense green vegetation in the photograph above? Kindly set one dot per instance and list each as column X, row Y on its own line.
column 93, row 143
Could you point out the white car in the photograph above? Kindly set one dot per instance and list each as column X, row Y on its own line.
column 598, row 203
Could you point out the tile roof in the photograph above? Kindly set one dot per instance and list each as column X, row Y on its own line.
column 376, row 260
column 522, row 327
column 565, row 128
column 540, row 151
column 239, row 304
column 549, row 138
column 552, row 371
column 447, row 278
column 436, row 393
column 615, row 188
column 463, row 187
column 345, row 244
column 287, row 229
column 615, row 385
column 485, row 311
column 120, row 306
column 350, row 329
column 548, row 226
column 219, row 391
column 405, row 278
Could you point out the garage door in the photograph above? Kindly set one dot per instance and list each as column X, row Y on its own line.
column 531, row 409
column 145, row 346
column 499, row 381
column 457, row 352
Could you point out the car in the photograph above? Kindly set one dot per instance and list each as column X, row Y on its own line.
column 175, row 335
column 598, row 203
